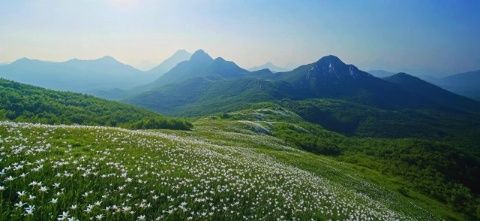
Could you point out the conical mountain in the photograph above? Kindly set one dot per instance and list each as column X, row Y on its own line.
column 328, row 69
column 200, row 65
column 330, row 77
column 169, row 63
column 201, row 56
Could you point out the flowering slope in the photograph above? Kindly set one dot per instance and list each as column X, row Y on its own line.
column 101, row 173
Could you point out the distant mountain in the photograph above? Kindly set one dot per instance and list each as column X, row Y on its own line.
column 200, row 64
column 205, row 85
column 381, row 73
column 432, row 92
column 329, row 77
column 86, row 76
column 270, row 66
column 467, row 84
column 169, row 63
column 104, row 77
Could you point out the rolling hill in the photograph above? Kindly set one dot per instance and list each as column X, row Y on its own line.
column 25, row 103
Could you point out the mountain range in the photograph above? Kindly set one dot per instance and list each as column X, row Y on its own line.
column 209, row 85
column 108, row 78
column 104, row 77
column 466, row 84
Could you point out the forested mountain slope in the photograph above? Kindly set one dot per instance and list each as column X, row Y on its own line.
column 25, row 103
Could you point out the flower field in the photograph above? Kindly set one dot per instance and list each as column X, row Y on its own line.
column 101, row 173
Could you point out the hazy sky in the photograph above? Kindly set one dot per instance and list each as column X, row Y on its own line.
column 423, row 36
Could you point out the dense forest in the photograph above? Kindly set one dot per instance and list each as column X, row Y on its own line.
column 351, row 119
column 24, row 103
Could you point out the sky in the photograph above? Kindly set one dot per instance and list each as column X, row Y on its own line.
column 434, row 37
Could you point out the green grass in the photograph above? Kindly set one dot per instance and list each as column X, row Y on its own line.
column 117, row 174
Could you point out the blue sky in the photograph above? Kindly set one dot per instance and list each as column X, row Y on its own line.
column 434, row 37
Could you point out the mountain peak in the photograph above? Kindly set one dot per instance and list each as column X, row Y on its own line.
column 330, row 59
column 181, row 52
column 403, row 75
column 107, row 58
column 219, row 59
column 22, row 60
column 200, row 55
column 331, row 64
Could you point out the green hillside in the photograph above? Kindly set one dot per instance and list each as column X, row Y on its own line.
column 24, row 103
column 354, row 119
column 441, row 170
column 261, row 162
column 215, row 172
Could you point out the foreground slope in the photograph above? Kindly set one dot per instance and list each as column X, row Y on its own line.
column 51, row 172
column 437, row 168
column 21, row 102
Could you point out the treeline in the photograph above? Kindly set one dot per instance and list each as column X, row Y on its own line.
column 24, row 103
column 154, row 123
column 354, row 119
